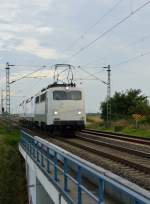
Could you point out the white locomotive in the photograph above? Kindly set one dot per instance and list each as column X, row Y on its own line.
column 58, row 107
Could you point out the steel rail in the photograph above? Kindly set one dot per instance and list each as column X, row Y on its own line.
column 113, row 146
column 33, row 146
column 140, row 169
column 118, row 136
column 107, row 155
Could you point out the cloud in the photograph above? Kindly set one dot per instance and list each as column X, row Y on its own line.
column 41, row 3
column 8, row 10
column 44, row 29
column 15, row 36
column 38, row 32
column 5, row 35
column 33, row 47
column 25, row 28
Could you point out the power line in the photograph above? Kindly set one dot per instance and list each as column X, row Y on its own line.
column 108, row 83
column 28, row 90
column 109, row 30
column 31, row 65
column 130, row 44
column 139, row 40
column 131, row 5
column 93, row 25
column 132, row 59
column 36, row 77
column 90, row 74
column 18, row 76
column 128, row 60
column 106, row 14
column 27, row 75
column 33, row 87
column 84, row 79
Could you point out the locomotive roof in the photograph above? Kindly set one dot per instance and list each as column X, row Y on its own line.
column 54, row 85
column 58, row 85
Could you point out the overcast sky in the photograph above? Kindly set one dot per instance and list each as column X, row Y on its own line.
column 46, row 32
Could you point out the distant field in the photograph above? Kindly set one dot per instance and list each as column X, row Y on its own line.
column 12, row 169
column 94, row 122
column 93, row 119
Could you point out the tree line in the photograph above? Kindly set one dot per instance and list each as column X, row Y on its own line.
column 126, row 104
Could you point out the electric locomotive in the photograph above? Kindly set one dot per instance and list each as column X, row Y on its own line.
column 59, row 107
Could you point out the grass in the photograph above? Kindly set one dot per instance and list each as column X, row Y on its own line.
column 137, row 132
column 12, row 169
column 97, row 124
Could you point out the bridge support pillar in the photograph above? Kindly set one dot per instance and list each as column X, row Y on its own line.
column 40, row 189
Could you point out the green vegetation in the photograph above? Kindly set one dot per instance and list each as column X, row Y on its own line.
column 12, row 169
column 126, row 104
column 125, row 126
column 130, row 114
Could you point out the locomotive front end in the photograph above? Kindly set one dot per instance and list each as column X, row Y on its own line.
column 68, row 108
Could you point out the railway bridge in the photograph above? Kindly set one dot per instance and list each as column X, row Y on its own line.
column 55, row 176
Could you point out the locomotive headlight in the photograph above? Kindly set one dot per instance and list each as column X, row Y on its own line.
column 55, row 112
column 79, row 112
column 67, row 88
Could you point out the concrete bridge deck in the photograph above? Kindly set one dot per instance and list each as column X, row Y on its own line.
column 56, row 176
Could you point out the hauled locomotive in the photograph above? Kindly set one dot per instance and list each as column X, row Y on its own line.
column 59, row 107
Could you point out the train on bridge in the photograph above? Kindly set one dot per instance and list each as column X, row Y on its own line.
column 58, row 107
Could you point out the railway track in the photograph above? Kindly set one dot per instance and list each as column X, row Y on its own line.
column 134, row 167
column 120, row 157
column 118, row 136
column 121, row 147
column 141, row 163
column 116, row 143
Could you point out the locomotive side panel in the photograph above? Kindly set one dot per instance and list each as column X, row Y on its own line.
column 55, row 108
column 40, row 116
column 29, row 109
column 49, row 107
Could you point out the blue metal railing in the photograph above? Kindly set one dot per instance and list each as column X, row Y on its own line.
column 62, row 170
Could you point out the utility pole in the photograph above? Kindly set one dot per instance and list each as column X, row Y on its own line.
column 108, row 69
column 7, row 89
column 2, row 102
column 8, row 93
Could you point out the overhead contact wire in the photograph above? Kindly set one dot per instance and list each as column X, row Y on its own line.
column 92, row 26
column 110, row 29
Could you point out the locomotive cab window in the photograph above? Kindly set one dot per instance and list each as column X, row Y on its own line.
column 69, row 95
column 43, row 97
column 74, row 95
column 37, row 99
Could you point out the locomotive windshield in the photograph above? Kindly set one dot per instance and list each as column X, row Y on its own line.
column 69, row 95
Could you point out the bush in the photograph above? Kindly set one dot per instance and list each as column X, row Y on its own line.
column 12, row 170
column 148, row 119
column 118, row 128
